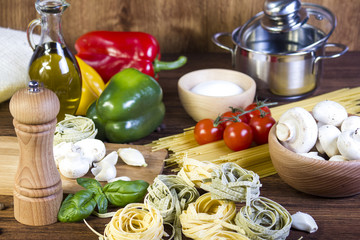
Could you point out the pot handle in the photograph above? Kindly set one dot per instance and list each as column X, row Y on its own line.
column 343, row 48
column 215, row 39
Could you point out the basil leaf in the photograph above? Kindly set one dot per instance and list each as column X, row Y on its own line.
column 94, row 186
column 120, row 193
column 77, row 206
column 89, row 183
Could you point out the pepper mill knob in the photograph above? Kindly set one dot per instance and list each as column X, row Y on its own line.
column 38, row 189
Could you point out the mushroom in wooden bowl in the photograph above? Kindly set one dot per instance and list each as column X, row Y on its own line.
column 301, row 161
column 206, row 93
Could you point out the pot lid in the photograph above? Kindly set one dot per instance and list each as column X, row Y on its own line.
column 285, row 25
column 283, row 15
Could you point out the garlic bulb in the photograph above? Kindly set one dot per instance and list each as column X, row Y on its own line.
column 132, row 156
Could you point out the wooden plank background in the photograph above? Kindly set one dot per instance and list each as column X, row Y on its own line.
column 181, row 26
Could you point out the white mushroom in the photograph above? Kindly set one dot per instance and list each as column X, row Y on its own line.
column 329, row 112
column 312, row 155
column 319, row 147
column 297, row 130
column 73, row 165
column 338, row 158
column 132, row 156
column 350, row 123
column 348, row 144
column 105, row 170
column 60, row 150
column 327, row 140
column 319, row 124
column 304, row 222
column 92, row 149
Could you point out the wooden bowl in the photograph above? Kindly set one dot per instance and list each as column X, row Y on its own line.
column 313, row 176
column 202, row 106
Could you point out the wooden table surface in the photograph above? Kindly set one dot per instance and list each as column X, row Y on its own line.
column 336, row 218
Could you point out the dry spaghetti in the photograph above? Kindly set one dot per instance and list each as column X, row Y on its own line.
column 264, row 219
column 257, row 158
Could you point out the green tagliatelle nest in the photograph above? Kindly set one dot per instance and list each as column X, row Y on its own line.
column 170, row 194
column 234, row 183
column 264, row 219
column 74, row 129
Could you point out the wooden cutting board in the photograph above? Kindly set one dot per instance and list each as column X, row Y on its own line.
column 9, row 158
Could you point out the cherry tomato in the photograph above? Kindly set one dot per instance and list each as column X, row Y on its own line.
column 264, row 109
column 227, row 118
column 238, row 136
column 206, row 132
column 261, row 127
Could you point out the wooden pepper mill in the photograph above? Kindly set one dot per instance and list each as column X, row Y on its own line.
column 38, row 189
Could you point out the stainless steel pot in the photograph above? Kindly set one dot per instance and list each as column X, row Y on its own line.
column 283, row 51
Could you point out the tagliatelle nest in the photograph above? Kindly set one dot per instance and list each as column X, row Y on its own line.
column 232, row 182
column 170, row 194
column 208, row 218
column 74, row 129
column 135, row 221
column 264, row 219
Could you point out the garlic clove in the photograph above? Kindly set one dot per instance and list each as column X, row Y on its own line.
column 111, row 158
column 105, row 170
column 304, row 222
column 95, row 170
column 132, row 156
column 123, row 178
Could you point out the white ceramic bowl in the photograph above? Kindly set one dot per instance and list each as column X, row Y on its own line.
column 202, row 106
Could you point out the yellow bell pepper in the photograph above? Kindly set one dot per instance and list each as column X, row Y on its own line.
column 92, row 86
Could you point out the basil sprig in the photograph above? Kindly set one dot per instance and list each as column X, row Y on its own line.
column 80, row 205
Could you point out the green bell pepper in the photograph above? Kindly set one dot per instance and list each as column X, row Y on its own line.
column 129, row 108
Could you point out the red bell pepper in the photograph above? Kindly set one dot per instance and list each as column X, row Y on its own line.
column 109, row 52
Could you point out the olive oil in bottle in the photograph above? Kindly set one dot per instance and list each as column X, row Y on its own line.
column 55, row 67
column 52, row 64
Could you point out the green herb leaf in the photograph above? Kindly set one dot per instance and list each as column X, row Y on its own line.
column 77, row 207
column 94, row 186
column 121, row 193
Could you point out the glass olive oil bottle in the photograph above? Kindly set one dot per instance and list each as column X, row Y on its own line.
column 52, row 64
